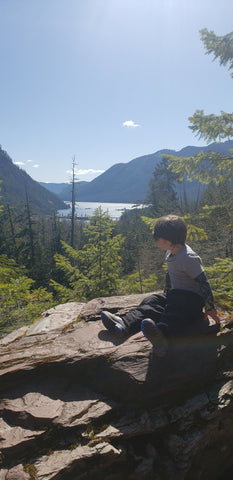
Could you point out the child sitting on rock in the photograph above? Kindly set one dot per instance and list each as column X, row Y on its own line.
column 177, row 309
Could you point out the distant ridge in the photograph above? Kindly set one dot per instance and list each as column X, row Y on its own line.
column 129, row 182
column 14, row 184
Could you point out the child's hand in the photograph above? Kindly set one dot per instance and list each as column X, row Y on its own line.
column 213, row 314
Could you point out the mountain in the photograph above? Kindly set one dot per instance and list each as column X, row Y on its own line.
column 15, row 183
column 129, row 182
column 63, row 189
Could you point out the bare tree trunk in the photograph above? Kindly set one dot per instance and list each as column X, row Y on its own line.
column 12, row 231
column 73, row 204
column 31, row 242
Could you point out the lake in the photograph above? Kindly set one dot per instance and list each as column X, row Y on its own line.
column 87, row 209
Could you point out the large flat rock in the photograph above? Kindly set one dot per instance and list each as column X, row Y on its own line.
column 77, row 403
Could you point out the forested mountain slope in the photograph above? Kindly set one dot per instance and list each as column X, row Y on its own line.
column 128, row 182
column 15, row 182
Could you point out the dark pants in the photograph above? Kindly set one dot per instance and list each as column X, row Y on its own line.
column 174, row 312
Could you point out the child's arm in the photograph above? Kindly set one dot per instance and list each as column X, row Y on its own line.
column 208, row 297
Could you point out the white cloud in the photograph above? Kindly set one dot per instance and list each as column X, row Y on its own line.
column 130, row 124
column 36, row 165
column 20, row 164
column 88, row 170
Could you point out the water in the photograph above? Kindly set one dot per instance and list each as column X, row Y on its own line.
column 87, row 209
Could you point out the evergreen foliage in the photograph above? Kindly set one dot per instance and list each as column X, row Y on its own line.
column 210, row 166
column 138, row 283
column 206, row 167
column 31, row 240
column 220, row 46
column 220, row 275
column 162, row 195
column 19, row 303
column 15, row 180
column 212, row 127
column 139, row 256
column 93, row 270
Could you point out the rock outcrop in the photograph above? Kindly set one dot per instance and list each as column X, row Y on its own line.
column 78, row 404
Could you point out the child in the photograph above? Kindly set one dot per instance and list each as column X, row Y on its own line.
column 187, row 291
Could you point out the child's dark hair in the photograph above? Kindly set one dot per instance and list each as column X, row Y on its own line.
column 172, row 228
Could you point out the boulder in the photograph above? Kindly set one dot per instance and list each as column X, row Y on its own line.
column 77, row 403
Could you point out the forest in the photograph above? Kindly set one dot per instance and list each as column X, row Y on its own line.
column 47, row 260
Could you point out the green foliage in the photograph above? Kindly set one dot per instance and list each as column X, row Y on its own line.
column 62, row 293
column 196, row 233
column 220, row 46
column 14, row 180
column 19, row 303
column 211, row 166
column 34, row 248
column 100, row 257
column 220, row 275
column 149, row 221
column 137, row 240
column 212, row 127
column 93, row 270
column 136, row 283
column 219, row 195
column 69, row 264
column 1, row 206
column 162, row 195
column 206, row 167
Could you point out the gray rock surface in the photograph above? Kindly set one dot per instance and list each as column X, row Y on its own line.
column 77, row 403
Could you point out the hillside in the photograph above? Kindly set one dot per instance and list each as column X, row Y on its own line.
column 16, row 181
column 129, row 182
column 63, row 189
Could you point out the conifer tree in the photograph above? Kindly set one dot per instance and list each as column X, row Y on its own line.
column 93, row 270
column 210, row 166
column 101, row 253
column 162, row 194
column 73, row 204
column 19, row 303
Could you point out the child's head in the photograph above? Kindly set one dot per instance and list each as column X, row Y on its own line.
column 171, row 228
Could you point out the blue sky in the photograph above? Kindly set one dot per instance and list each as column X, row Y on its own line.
column 105, row 80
